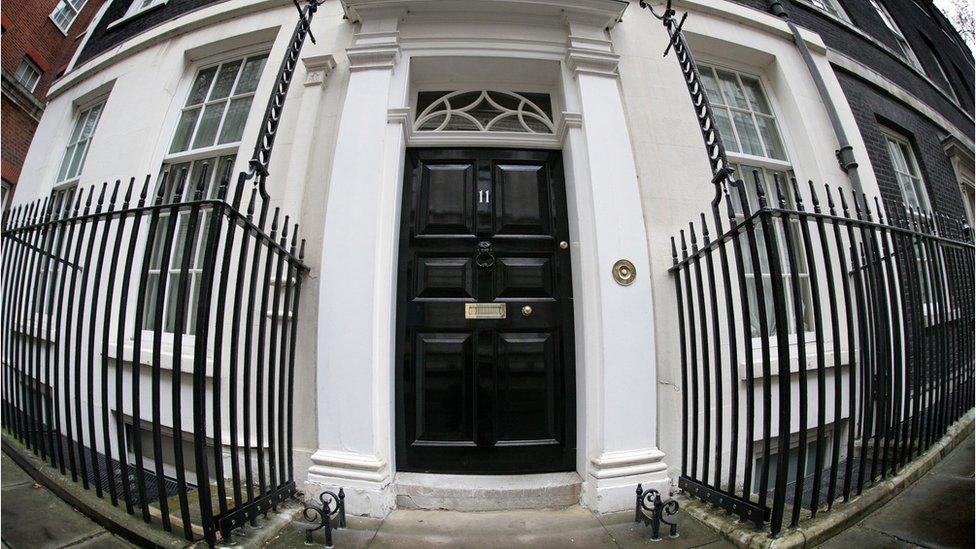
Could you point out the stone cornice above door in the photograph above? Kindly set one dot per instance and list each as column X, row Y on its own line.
column 607, row 12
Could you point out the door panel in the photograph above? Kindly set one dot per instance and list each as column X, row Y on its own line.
column 484, row 395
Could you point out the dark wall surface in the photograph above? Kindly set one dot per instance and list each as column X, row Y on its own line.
column 104, row 38
column 935, row 43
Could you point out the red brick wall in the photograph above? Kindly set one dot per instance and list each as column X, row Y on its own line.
column 29, row 31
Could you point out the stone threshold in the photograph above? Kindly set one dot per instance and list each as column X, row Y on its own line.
column 131, row 527
column 487, row 492
column 843, row 515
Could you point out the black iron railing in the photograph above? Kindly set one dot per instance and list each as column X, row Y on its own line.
column 831, row 349
column 149, row 347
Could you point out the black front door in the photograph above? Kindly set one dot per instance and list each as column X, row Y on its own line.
column 478, row 393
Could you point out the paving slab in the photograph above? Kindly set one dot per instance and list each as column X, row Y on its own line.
column 572, row 527
column 959, row 462
column 359, row 532
column 11, row 474
column 937, row 511
column 34, row 518
column 864, row 538
column 105, row 540
column 691, row 533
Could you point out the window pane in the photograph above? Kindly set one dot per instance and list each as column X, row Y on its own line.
column 248, row 81
column 207, row 131
column 770, row 135
column 179, row 240
column 756, row 95
column 184, row 130
column 200, row 86
column 92, row 120
column 173, row 285
column 65, row 162
column 730, row 88
column 234, row 121
column 77, row 161
column 225, row 80
column 724, row 126
column 711, row 85
column 152, row 284
column 748, row 136
column 79, row 124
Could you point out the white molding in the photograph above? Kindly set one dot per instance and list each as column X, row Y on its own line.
column 401, row 116
column 348, row 465
column 568, row 120
column 374, row 50
column 864, row 72
column 318, row 68
column 590, row 61
column 608, row 10
column 752, row 18
column 627, row 462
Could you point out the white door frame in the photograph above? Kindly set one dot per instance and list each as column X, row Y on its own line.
column 615, row 354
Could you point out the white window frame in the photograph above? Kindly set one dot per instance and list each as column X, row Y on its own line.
column 919, row 190
column 829, row 7
column 906, row 50
column 766, row 165
column 73, row 5
column 25, row 65
column 73, row 140
column 754, row 114
column 193, row 157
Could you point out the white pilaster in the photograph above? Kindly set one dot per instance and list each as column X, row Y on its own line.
column 359, row 251
column 620, row 375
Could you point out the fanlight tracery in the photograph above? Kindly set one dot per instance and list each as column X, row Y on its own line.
column 484, row 111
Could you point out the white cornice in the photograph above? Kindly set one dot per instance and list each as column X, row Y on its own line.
column 609, row 11
column 318, row 68
column 374, row 50
column 196, row 19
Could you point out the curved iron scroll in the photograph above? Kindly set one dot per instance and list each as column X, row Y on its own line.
column 714, row 147
column 258, row 165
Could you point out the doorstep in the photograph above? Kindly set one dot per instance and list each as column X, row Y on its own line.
column 486, row 492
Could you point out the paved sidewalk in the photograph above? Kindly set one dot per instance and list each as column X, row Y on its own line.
column 538, row 529
column 34, row 518
column 936, row 511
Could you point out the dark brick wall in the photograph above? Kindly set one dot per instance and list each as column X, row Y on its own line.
column 874, row 111
column 873, row 108
column 28, row 31
column 104, row 38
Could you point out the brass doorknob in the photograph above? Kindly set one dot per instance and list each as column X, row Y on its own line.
column 564, row 245
column 526, row 311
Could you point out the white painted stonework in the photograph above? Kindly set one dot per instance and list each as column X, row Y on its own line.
column 635, row 173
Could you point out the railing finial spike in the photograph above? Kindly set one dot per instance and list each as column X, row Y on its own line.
column 813, row 196
column 128, row 193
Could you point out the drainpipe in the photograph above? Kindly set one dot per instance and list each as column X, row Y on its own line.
column 845, row 152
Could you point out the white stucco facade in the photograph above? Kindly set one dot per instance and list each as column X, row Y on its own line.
column 635, row 173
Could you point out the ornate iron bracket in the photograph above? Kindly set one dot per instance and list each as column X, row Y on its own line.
column 258, row 165
column 651, row 510
column 714, row 147
column 331, row 506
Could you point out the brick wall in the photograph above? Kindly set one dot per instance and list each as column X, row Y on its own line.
column 874, row 111
column 922, row 25
column 28, row 31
